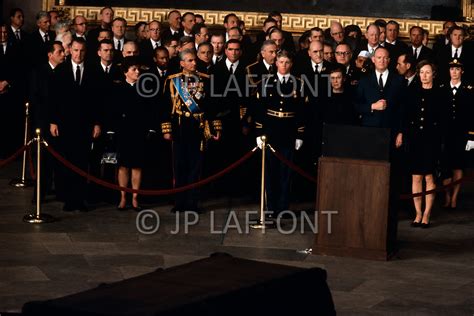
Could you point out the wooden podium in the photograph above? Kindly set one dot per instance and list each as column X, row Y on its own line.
column 359, row 191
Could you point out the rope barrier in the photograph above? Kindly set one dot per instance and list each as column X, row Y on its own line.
column 13, row 157
column 292, row 166
column 113, row 186
column 31, row 166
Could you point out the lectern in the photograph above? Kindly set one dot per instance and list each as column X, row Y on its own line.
column 355, row 186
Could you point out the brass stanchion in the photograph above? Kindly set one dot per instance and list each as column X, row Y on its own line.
column 262, row 223
column 23, row 182
column 37, row 217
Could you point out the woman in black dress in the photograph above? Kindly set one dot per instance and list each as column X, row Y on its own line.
column 423, row 138
column 457, row 107
column 131, row 120
column 338, row 108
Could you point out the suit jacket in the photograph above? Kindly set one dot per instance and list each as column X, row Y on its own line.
column 166, row 34
column 40, row 95
column 37, row 48
column 74, row 108
column 395, row 51
column 368, row 92
column 147, row 52
column 423, row 53
column 232, row 97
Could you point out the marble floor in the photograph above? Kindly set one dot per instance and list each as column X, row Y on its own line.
column 433, row 273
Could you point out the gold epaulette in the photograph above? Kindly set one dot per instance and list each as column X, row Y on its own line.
column 203, row 74
column 175, row 75
column 258, row 125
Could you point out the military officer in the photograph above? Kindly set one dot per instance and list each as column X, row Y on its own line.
column 458, row 112
column 189, row 124
column 279, row 117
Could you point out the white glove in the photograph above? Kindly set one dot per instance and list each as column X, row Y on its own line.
column 469, row 145
column 298, row 144
column 259, row 142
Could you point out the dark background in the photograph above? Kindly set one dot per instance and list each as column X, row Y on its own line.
column 376, row 8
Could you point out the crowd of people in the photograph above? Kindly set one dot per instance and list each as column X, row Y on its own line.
column 216, row 92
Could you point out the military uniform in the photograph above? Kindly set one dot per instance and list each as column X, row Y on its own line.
column 279, row 117
column 191, row 122
column 457, row 114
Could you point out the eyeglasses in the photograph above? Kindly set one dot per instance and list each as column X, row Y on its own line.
column 343, row 53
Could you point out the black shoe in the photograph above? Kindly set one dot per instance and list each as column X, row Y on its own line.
column 425, row 225
column 137, row 208
column 119, row 208
column 415, row 224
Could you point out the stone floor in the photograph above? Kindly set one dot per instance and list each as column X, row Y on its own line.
column 433, row 273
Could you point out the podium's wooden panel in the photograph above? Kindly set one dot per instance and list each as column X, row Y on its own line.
column 359, row 191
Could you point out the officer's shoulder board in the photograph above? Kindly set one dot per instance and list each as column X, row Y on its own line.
column 201, row 74
column 175, row 75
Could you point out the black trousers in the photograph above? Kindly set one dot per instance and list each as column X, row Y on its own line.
column 277, row 178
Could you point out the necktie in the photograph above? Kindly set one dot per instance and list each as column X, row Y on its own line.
column 119, row 46
column 46, row 38
column 156, row 45
column 414, row 52
column 455, row 54
column 316, row 69
column 231, row 68
column 454, row 90
column 17, row 34
column 380, row 82
column 270, row 69
column 78, row 75
column 106, row 70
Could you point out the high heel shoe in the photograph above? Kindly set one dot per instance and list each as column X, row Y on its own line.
column 415, row 224
column 425, row 225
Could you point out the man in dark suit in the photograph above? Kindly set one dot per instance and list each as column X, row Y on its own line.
column 459, row 50
column 119, row 26
column 74, row 122
column 280, row 118
column 79, row 24
column 315, row 75
column 371, row 41
column 11, row 92
column 380, row 95
column 187, row 23
column 406, row 67
column 15, row 34
column 147, row 47
column 40, row 97
column 106, row 17
column 217, row 42
column 343, row 55
column 442, row 40
column 205, row 52
column 289, row 43
column 338, row 37
column 174, row 29
column 419, row 51
column 395, row 46
column 39, row 39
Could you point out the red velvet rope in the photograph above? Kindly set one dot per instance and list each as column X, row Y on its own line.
column 148, row 192
column 31, row 166
column 291, row 165
column 12, row 157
